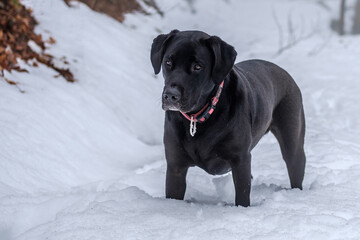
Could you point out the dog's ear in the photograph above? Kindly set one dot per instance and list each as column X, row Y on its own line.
column 223, row 57
column 158, row 48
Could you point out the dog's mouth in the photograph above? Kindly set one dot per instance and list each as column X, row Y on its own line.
column 182, row 106
column 185, row 104
column 177, row 108
column 171, row 107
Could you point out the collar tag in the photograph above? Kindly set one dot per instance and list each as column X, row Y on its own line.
column 192, row 126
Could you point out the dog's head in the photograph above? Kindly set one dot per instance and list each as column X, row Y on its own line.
column 193, row 64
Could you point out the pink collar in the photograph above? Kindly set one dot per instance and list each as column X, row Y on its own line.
column 205, row 112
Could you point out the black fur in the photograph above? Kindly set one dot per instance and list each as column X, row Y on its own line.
column 258, row 97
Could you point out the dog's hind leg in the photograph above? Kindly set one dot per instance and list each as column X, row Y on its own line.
column 288, row 126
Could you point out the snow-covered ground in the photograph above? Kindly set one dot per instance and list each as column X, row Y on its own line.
column 85, row 160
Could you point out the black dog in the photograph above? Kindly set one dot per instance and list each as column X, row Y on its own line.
column 251, row 98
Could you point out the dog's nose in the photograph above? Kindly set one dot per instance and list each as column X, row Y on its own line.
column 172, row 95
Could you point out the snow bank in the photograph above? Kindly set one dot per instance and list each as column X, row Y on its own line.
column 85, row 160
column 132, row 214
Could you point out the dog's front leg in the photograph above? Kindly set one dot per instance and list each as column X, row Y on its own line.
column 241, row 172
column 175, row 182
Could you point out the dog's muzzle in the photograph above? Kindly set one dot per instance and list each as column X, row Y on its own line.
column 171, row 98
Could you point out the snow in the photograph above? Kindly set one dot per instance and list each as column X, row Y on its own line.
column 86, row 161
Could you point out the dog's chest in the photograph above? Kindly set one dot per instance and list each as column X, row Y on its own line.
column 206, row 155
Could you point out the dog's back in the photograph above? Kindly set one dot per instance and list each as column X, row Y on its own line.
column 275, row 103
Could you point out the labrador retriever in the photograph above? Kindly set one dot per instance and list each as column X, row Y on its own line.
column 216, row 112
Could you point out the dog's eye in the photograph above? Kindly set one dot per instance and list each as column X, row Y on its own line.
column 168, row 63
column 197, row 67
